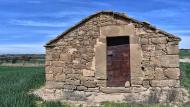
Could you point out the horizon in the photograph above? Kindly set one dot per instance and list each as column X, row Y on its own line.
column 26, row 26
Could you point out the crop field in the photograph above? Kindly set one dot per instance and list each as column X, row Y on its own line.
column 16, row 85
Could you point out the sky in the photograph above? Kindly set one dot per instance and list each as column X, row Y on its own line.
column 27, row 25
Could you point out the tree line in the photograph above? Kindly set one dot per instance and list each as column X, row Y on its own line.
column 20, row 59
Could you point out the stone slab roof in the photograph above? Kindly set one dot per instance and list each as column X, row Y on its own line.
column 123, row 15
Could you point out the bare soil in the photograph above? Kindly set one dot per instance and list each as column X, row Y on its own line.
column 187, row 60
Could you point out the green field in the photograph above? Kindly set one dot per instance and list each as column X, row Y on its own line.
column 16, row 84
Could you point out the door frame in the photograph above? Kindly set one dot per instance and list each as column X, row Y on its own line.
column 135, row 52
column 128, row 37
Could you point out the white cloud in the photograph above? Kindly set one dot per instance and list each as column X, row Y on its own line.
column 173, row 2
column 160, row 13
column 15, row 33
column 22, row 49
column 64, row 13
column 180, row 31
column 100, row 3
column 38, row 24
column 22, row 1
column 185, row 42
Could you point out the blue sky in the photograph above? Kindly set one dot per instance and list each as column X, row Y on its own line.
column 26, row 25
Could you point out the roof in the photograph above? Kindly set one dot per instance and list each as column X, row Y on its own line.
column 123, row 15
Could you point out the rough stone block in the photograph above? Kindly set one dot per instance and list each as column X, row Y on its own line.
column 48, row 57
column 141, row 32
column 138, row 73
column 88, row 73
column 76, row 61
column 146, row 83
column 160, row 46
column 92, row 90
column 157, row 61
column 136, row 80
column 138, row 89
column 144, row 41
column 89, row 84
column 158, row 53
column 57, row 69
column 165, row 83
column 173, row 49
column 65, row 57
column 58, row 63
column 149, row 72
column 60, row 77
column 169, row 61
column 159, row 40
column 148, row 48
column 55, row 56
column 81, row 88
column 49, row 77
column 47, row 63
column 172, row 73
column 73, row 76
column 72, row 82
column 127, row 84
column 101, row 83
column 48, row 70
column 72, row 50
column 70, row 87
column 159, row 74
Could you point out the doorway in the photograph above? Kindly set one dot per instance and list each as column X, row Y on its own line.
column 118, row 61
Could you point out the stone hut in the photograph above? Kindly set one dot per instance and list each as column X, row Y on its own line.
column 109, row 56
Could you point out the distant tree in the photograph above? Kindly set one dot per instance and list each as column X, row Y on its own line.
column 1, row 60
column 23, row 58
column 14, row 60
column 34, row 58
column 7, row 59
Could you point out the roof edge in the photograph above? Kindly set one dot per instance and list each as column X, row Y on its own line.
column 176, row 38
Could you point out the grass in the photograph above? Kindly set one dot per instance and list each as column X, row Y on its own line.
column 186, row 78
column 17, row 82
column 186, row 74
column 112, row 104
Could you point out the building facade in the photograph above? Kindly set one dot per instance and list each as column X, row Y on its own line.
column 109, row 56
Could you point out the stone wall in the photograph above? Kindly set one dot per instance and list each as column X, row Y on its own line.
column 76, row 64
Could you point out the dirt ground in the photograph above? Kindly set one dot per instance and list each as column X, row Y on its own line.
column 185, row 60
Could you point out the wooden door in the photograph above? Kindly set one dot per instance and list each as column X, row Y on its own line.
column 118, row 61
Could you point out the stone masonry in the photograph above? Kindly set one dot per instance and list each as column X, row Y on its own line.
column 76, row 63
